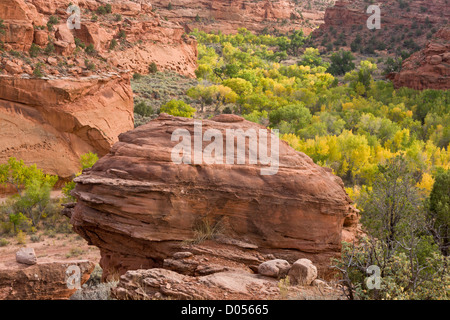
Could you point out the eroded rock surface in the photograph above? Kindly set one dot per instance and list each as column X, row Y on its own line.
column 428, row 68
column 41, row 281
column 52, row 122
column 139, row 207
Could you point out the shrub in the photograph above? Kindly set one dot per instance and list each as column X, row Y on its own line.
column 90, row 49
column 21, row 237
column 35, row 238
column 113, row 44
column 122, row 34
column 89, row 65
column 51, row 22
column 50, row 48
column 178, row 108
column 3, row 242
column 79, row 43
column 152, row 68
column 143, row 109
column 37, row 72
column 101, row 10
column 34, row 50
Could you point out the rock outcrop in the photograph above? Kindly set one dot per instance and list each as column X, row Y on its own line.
column 256, row 16
column 220, row 281
column 67, row 92
column 405, row 25
column 51, row 122
column 41, row 281
column 428, row 68
column 139, row 207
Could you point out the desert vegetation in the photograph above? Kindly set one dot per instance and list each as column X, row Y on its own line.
column 389, row 146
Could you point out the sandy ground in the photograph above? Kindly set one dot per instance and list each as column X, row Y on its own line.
column 61, row 247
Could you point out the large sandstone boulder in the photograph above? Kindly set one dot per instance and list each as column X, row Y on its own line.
column 139, row 207
column 303, row 272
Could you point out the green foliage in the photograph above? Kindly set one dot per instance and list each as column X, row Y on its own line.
column 50, row 48
column 2, row 27
column 178, row 108
column 438, row 206
column 90, row 49
column 87, row 160
column 143, row 109
column 290, row 118
column 113, row 44
column 51, row 22
column 37, row 72
column 311, row 57
column 34, row 50
column 79, row 43
column 393, row 65
column 341, row 63
column 33, row 190
column 152, row 68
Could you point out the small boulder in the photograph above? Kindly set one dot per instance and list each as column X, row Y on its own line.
column 435, row 60
column 277, row 268
column 302, row 272
column 26, row 256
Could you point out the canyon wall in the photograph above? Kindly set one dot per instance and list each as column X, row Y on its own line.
column 229, row 15
column 65, row 92
column 429, row 68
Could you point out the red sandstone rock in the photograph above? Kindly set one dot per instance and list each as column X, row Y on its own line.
column 428, row 68
column 138, row 206
column 53, row 122
column 228, row 16
column 42, row 281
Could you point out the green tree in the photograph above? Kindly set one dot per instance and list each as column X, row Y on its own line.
column 87, row 160
column 178, row 108
column 394, row 199
column 341, row 63
column 297, row 40
column 290, row 118
column 32, row 185
column 438, row 213
column 311, row 57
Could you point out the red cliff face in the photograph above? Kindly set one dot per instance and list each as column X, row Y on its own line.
column 229, row 15
column 60, row 100
column 405, row 26
column 428, row 68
